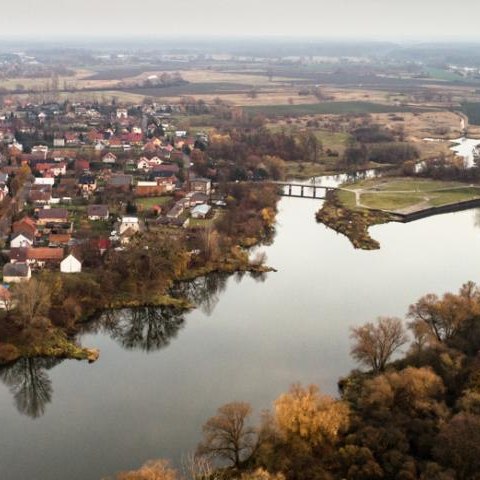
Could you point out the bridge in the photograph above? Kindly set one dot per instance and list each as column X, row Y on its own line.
column 301, row 190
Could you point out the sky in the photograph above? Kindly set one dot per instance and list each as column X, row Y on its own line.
column 372, row 19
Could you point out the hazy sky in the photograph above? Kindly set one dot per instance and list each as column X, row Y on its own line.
column 324, row 18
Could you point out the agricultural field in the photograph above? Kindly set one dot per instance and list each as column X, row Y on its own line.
column 338, row 108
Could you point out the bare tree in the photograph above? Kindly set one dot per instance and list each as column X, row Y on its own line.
column 32, row 301
column 374, row 344
column 227, row 435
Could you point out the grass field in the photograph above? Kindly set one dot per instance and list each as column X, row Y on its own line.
column 304, row 170
column 406, row 195
column 389, row 201
column 445, row 75
column 337, row 108
column 149, row 202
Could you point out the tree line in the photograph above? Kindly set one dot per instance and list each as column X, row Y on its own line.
column 410, row 417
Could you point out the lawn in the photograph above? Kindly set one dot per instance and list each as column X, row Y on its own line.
column 452, row 196
column 304, row 170
column 389, row 201
column 149, row 202
column 401, row 193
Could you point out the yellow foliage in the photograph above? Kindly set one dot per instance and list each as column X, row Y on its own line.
column 268, row 216
column 316, row 418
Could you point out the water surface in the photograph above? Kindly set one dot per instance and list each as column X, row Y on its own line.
column 161, row 375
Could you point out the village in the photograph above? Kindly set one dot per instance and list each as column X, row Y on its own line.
column 81, row 177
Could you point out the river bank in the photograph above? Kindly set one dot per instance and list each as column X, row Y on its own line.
column 249, row 339
column 46, row 314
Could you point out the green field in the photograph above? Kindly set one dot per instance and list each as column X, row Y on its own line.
column 389, row 201
column 149, row 202
column 404, row 193
column 445, row 75
column 338, row 108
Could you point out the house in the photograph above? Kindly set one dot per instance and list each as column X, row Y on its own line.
column 26, row 225
column 40, row 257
column 98, row 212
column 39, row 152
column 120, row 182
column 52, row 215
column 200, row 211
column 129, row 222
column 143, row 164
column 16, row 272
column 71, row 138
column 44, row 181
column 40, row 194
column 82, row 165
column 122, row 113
column 70, row 264
column 175, row 211
column 21, row 240
column 109, row 158
column 202, row 185
column 87, row 183
column 51, row 169
column 59, row 239
column 156, row 187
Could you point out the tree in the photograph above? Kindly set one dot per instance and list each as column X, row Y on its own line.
column 227, row 435
column 32, row 300
column 151, row 470
column 374, row 344
column 315, row 418
column 458, row 446
column 437, row 319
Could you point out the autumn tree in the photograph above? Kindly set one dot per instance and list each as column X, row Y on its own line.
column 32, row 301
column 437, row 320
column 304, row 412
column 374, row 344
column 227, row 435
column 458, row 446
column 151, row 470
column 261, row 474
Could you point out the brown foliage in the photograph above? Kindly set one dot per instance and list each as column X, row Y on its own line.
column 437, row 319
column 458, row 446
column 227, row 436
column 151, row 470
column 374, row 344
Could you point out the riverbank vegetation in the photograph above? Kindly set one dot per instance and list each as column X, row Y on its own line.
column 411, row 417
column 44, row 314
column 353, row 223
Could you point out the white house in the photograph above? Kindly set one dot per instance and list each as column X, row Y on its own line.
column 200, row 211
column 129, row 222
column 21, row 240
column 70, row 265
column 16, row 272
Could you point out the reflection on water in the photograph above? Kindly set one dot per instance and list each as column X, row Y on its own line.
column 248, row 340
column 30, row 384
column 146, row 328
column 204, row 292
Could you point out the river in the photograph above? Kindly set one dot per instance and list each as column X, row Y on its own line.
column 160, row 375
